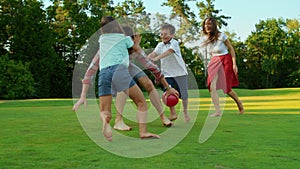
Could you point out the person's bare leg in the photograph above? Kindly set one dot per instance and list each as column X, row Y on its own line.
column 137, row 96
column 120, row 104
column 215, row 96
column 239, row 103
column 185, row 110
column 105, row 115
column 173, row 115
column 155, row 99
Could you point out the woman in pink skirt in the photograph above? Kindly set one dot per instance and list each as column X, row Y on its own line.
column 222, row 69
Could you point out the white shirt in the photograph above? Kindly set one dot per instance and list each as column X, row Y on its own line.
column 172, row 65
column 217, row 48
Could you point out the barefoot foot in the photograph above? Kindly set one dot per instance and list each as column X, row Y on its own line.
column 106, row 131
column 217, row 114
column 148, row 135
column 166, row 122
column 120, row 125
column 173, row 117
column 241, row 107
column 186, row 118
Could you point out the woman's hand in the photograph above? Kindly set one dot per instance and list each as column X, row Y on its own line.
column 235, row 69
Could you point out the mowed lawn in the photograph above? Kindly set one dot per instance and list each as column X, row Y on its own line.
column 47, row 134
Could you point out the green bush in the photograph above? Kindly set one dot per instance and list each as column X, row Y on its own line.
column 293, row 79
column 16, row 80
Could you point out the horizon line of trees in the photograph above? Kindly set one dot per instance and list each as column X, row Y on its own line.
column 40, row 47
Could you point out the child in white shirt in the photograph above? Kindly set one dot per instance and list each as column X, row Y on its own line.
column 172, row 66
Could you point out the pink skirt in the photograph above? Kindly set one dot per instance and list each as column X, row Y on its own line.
column 222, row 65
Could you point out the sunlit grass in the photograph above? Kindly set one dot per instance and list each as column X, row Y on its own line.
column 47, row 134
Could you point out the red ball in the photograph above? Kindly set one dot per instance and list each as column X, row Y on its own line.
column 171, row 100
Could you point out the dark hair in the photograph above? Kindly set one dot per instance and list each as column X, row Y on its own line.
column 212, row 36
column 110, row 25
column 170, row 27
column 128, row 31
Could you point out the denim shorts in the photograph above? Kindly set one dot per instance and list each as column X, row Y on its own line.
column 136, row 72
column 113, row 79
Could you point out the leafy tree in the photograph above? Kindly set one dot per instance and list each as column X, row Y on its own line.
column 293, row 52
column 272, row 52
column 128, row 8
column 16, row 80
column 30, row 41
column 208, row 10
column 74, row 22
column 180, row 8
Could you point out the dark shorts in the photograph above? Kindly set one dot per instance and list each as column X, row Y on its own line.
column 179, row 83
column 114, row 79
column 136, row 72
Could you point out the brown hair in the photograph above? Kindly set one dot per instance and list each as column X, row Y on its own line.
column 170, row 27
column 213, row 35
column 110, row 25
column 128, row 31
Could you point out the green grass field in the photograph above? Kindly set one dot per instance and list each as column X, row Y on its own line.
column 47, row 134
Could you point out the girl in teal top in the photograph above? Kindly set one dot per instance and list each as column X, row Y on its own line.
column 114, row 75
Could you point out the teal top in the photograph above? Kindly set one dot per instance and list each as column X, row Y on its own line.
column 114, row 49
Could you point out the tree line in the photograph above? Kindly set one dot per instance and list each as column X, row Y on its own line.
column 40, row 46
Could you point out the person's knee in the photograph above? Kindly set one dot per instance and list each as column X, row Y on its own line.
column 148, row 85
column 139, row 101
column 141, row 104
column 213, row 88
column 106, row 116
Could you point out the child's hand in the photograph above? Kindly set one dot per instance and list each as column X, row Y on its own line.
column 172, row 91
column 79, row 102
column 151, row 56
column 137, row 39
column 154, row 59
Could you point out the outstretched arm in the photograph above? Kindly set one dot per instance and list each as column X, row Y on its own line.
column 159, row 77
column 86, row 82
column 163, row 55
column 82, row 99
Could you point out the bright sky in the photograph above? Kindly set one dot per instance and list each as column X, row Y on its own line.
column 244, row 13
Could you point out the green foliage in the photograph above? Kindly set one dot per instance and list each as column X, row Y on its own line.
column 50, row 78
column 208, row 10
column 49, row 42
column 272, row 53
column 128, row 8
column 294, row 79
column 180, row 8
column 16, row 80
